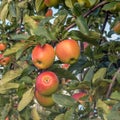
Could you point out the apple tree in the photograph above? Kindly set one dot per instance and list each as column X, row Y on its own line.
column 88, row 86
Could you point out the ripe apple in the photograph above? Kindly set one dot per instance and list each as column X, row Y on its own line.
column 116, row 28
column 2, row 46
column 68, row 51
column 43, row 56
column 79, row 95
column 47, row 83
column 4, row 60
column 49, row 13
column 45, row 101
column 50, row 3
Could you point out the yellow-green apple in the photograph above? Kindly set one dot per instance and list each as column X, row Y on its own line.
column 50, row 3
column 47, row 83
column 45, row 101
column 2, row 46
column 49, row 13
column 43, row 56
column 68, row 51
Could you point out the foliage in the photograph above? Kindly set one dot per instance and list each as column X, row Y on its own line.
column 23, row 25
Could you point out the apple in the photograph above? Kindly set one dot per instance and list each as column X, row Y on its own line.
column 68, row 51
column 49, row 13
column 43, row 56
column 50, row 3
column 45, row 101
column 47, row 83
column 2, row 46
column 4, row 60
column 78, row 96
column 116, row 28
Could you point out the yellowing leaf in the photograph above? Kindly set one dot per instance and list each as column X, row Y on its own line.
column 14, row 49
column 100, row 74
column 103, row 106
column 59, row 117
column 34, row 113
column 26, row 99
column 8, row 86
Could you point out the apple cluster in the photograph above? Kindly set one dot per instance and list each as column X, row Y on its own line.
column 43, row 56
column 4, row 60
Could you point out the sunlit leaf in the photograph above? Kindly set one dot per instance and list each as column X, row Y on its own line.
column 35, row 114
column 115, row 95
column 26, row 99
column 100, row 74
column 59, row 117
column 14, row 49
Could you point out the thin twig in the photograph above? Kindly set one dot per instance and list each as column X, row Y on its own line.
column 88, row 13
column 112, row 84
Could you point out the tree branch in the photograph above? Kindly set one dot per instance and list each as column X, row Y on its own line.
column 112, row 84
column 88, row 13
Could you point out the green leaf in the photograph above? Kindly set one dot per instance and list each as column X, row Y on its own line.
column 103, row 106
column 39, row 5
column 69, row 3
column 59, row 117
column 14, row 48
column 99, row 75
column 69, row 115
column 115, row 95
column 89, row 74
column 26, row 99
column 83, row 27
column 35, row 114
column 4, row 12
column 8, row 86
column 113, row 115
column 64, row 100
column 12, row 9
column 62, row 73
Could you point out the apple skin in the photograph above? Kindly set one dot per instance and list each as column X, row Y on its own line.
column 43, row 56
column 49, row 13
column 4, row 60
column 47, row 83
column 116, row 28
column 45, row 101
column 68, row 51
column 2, row 46
column 77, row 96
column 50, row 3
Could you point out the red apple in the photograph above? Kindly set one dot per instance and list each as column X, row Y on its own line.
column 43, row 56
column 45, row 101
column 47, row 83
column 4, row 60
column 68, row 51
column 2, row 46
column 50, row 3
column 49, row 13
column 78, row 96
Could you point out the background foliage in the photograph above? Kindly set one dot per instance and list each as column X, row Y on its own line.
column 24, row 24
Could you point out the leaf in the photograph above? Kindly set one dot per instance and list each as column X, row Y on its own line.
column 113, row 115
column 81, row 23
column 35, row 114
column 39, row 5
column 64, row 100
column 59, row 117
column 12, row 9
column 115, row 95
column 8, row 86
column 69, row 3
column 10, row 75
column 103, row 106
column 100, row 74
column 69, row 115
column 26, row 99
column 64, row 73
column 89, row 74
column 14, row 49
column 4, row 12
